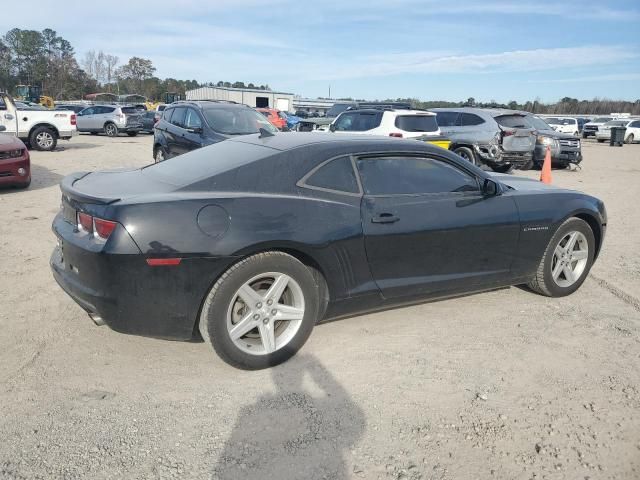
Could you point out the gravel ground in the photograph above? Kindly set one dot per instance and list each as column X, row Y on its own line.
column 506, row 384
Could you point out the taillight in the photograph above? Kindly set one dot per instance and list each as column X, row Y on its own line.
column 73, row 119
column 396, row 135
column 508, row 133
column 100, row 228
column 103, row 228
column 85, row 222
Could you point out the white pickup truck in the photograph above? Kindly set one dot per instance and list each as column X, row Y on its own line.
column 40, row 129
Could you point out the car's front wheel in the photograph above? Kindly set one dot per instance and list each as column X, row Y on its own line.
column 261, row 311
column 630, row 138
column 566, row 261
column 505, row 168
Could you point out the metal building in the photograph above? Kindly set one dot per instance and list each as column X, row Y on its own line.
column 249, row 96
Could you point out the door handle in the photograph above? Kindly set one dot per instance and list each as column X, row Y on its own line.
column 385, row 218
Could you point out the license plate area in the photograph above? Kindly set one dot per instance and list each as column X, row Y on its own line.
column 69, row 213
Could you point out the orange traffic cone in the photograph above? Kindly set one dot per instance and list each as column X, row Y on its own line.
column 545, row 175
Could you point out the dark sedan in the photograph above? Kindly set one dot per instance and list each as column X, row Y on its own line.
column 253, row 240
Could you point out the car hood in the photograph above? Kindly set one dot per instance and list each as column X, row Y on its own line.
column 524, row 184
column 9, row 142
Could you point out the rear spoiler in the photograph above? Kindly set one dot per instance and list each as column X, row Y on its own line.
column 68, row 189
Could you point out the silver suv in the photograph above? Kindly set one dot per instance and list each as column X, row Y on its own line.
column 110, row 120
column 498, row 138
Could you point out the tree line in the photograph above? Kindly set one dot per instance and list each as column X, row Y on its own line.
column 46, row 59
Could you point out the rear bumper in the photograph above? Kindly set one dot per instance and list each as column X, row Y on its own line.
column 129, row 295
column 67, row 134
column 9, row 171
column 561, row 156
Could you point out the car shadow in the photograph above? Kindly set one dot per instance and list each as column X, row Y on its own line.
column 304, row 429
column 74, row 146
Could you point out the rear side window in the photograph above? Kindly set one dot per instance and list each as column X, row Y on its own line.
column 106, row 110
column 447, row 119
column 512, row 121
column 412, row 175
column 335, row 175
column 358, row 121
column 417, row 123
column 469, row 119
column 177, row 118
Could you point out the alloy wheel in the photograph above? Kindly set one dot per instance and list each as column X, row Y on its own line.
column 44, row 140
column 570, row 258
column 265, row 313
column 111, row 130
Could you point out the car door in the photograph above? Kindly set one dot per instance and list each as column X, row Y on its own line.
column 83, row 119
column 174, row 132
column 429, row 228
column 8, row 119
column 192, row 135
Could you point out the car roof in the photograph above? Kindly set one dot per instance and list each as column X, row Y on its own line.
column 290, row 140
column 207, row 104
column 494, row 112
column 399, row 111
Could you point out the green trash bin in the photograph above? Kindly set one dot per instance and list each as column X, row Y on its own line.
column 617, row 136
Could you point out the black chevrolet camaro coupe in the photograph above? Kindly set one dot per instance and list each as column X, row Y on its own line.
column 252, row 241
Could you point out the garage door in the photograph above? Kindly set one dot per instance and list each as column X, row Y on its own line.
column 282, row 104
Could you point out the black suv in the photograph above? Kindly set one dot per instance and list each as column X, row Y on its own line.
column 188, row 125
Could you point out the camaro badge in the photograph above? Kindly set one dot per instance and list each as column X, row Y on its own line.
column 532, row 228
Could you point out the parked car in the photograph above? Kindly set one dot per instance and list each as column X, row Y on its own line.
column 389, row 122
column 110, row 120
column 15, row 165
column 188, row 125
column 292, row 120
column 302, row 113
column 275, row 117
column 321, row 122
column 149, row 120
column 215, row 242
column 500, row 139
column 604, row 131
column 564, row 124
column 41, row 129
column 565, row 148
column 633, row 131
column 582, row 122
column 591, row 128
column 76, row 108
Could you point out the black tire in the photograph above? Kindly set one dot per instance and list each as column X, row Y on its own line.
column 132, row 134
column 584, row 135
column 467, row 154
column 501, row 168
column 629, row 139
column 527, row 166
column 543, row 283
column 43, row 139
column 213, row 317
column 93, row 133
column 111, row 129
column 601, row 140
column 159, row 154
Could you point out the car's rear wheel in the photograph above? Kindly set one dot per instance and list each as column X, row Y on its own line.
column 629, row 138
column 566, row 261
column 600, row 140
column 261, row 311
column 111, row 130
column 43, row 138
column 467, row 154
column 159, row 155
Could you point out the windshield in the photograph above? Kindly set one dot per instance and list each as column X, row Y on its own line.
column 237, row 121
column 616, row 123
column 417, row 123
column 602, row 120
column 337, row 109
column 512, row 121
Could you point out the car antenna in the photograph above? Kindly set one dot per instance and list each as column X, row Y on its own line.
column 265, row 133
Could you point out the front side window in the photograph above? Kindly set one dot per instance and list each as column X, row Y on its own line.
column 192, row 120
column 337, row 175
column 400, row 175
column 447, row 119
column 89, row 111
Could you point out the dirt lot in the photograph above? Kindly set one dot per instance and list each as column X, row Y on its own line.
column 506, row 384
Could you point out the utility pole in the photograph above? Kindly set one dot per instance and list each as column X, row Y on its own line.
column 329, row 91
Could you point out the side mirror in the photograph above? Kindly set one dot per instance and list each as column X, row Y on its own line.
column 489, row 188
column 2, row 128
column 332, row 127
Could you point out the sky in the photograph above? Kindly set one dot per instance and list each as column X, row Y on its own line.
column 372, row 49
